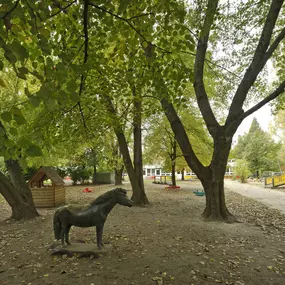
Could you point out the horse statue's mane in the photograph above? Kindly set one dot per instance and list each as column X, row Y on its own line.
column 107, row 196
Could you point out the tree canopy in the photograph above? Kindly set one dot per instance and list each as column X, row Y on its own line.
column 72, row 69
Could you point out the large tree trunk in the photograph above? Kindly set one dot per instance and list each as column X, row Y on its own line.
column 18, row 180
column 214, row 187
column 119, row 176
column 140, row 197
column 216, row 209
column 20, row 208
column 212, row 177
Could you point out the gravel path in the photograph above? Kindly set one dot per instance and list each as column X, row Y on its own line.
column 272, row 198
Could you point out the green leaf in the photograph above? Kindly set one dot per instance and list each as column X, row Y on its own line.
column 2, row 83
column 123, row 6
column 74, row 96
column 19, row 50
column 22, row 72
column 44, row 92
column 33, row 151
column 6, row 116
column 10, row 56
column 23, row 142
column 71, row 86
column 1, row 65
column 19, row 119
column 13, row 131
column 34, row 101
column 9, row 143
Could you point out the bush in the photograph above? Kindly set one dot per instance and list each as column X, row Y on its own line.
column 79, row 174
column 242, row 170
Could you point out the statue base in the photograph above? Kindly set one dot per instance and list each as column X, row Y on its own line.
column 80, row 249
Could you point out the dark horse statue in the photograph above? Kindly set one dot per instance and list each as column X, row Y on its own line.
column 94, row 214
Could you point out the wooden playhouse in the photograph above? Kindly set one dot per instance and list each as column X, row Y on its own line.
column 47, row 194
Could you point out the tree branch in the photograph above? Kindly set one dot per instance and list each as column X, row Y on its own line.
column 232, row 127
column 272, row 96
column 86, row 41
column 11, row 10
column 138, row 16
column 85, row 24
column 61, row 9
column 199, row 86
column 275, row 44
column 261, row 55
column 182, row 138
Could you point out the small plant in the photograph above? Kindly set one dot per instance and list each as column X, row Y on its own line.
column 242, row 170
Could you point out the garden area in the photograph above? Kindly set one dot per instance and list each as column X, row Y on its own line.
column 166, row 242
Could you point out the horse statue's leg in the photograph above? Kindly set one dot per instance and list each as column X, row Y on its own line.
column 62, row 231
column 67, row 234
column 99, row 232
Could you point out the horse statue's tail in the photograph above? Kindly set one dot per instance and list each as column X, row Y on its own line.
column 56, row 225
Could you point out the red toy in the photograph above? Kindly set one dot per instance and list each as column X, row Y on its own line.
column 86, row 190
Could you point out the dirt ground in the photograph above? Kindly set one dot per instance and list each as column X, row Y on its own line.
column 164, row 243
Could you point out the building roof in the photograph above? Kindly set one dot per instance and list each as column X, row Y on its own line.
column 50, row 173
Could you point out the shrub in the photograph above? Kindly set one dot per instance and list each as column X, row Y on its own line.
column 242, row 170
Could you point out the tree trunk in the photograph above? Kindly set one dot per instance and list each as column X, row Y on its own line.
column 20, row 208
column 173, row 178
column 173, row 162
column 140, row 197
column 216, row 209
column 212, row 176
column 214, row 183
column 18, row 180
column 94, row 180
column 118, row 176
column 182, row 174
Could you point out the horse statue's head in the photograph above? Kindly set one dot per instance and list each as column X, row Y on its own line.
column 119, row 194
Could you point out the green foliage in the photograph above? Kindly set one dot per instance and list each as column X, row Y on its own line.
column 146, row 45
column 80, row 174
column 258, row 149
column 241, row 169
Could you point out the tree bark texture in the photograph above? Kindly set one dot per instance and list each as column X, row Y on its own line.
column 20, row 208
column 18, row 180
column 173, row 162
column 182, row 174
column 94, row 176
column 118, row 176
column 140, row 197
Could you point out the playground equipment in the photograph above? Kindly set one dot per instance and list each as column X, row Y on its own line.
column 199, row 193
column 275, row 181
column 163, row 179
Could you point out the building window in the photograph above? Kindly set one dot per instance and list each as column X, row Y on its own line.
column 148, row 172
column 157, row 171
column 144, row 172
